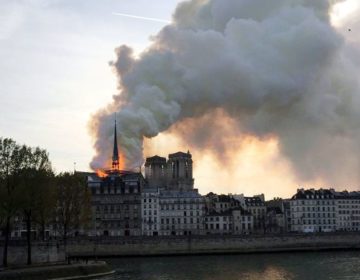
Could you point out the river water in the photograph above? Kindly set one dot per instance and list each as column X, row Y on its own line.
column 306, row 266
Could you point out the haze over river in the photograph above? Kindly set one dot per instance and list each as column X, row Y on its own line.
column 289, row 266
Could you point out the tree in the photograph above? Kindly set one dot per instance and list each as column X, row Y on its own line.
column 22, row 171
column 46, row 204
column 34, row 180
column 11, row 162
column 73, row 210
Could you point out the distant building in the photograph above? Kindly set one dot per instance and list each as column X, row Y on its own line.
column 287, row 214
column 219, row 222
column 256, row 206
column 314, row 211
column 275, row 220
column 150, row 209
column 116, row 200
column 124, row 203
column 116, row 204
column 243, row 221
column 180, row 172
column 174, row 174
column 348, row 211
column 225, row 215
column 156, row 172
column 225, row 202
column 181, row 213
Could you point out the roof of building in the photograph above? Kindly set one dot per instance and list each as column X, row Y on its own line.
column 179, row 194
column 253, row 201
column 180, row 154
column 224, row 198
column 115, row 179
column 155, row 159
column 314, row 194
column 325, row 194
column 347, row 195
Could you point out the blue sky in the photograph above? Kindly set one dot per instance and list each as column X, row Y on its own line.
column 54, row 69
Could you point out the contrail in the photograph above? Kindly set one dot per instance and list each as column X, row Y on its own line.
column 144, row 18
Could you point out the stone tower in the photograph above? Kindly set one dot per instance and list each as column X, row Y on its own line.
column 155, row 171
column 179, row 172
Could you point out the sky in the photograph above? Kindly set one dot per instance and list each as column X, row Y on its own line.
column 55, row 73
column 54, row 70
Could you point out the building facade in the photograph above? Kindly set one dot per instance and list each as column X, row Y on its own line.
column 348, row 211
column 256, row 206
column 150, row 209
column 219, row 222
column 181, row 213
column 116, row 204
column 225, row 215
column 313, row 211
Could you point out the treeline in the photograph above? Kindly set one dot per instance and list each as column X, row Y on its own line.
column 31, row 193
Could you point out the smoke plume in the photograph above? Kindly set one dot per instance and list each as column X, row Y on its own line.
column 276, row 68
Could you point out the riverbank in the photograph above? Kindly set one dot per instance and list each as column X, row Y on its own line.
column 102, row 247
column 199, row 245
column 58, row 272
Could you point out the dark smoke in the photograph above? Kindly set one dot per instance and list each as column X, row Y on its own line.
column 277, row 68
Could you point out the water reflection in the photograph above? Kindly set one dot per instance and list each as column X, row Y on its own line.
column 285, row 266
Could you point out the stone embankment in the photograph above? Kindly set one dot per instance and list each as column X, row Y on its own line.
column 155, row 246
column 101, row 247
column 58, row 272
column 42, row 252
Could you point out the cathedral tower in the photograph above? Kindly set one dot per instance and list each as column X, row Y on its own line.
column 180, row 172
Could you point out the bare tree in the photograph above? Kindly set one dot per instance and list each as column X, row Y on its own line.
column 11, row 162
column 34, row 180
column 73, row 210
column 24, row 172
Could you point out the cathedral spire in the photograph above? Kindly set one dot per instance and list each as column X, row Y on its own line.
column 115, row 157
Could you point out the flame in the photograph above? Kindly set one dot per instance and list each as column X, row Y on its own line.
column 101, row 173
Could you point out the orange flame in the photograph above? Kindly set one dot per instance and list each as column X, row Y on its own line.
column 101, row 173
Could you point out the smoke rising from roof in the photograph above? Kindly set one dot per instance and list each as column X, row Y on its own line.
column 275, row 68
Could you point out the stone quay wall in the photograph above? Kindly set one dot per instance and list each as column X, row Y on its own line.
column 118, row 247
column 101, row 247
column 42, row 252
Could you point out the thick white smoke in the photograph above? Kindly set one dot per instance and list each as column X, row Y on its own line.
column 276, row 67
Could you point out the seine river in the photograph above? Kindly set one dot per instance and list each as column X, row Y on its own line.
column 306, row 266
